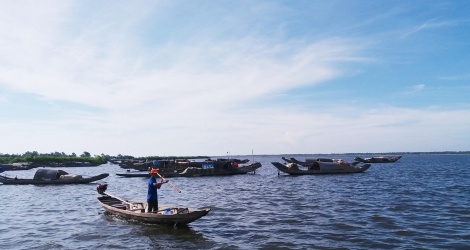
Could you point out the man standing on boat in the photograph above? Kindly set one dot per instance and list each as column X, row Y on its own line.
column 152, row 195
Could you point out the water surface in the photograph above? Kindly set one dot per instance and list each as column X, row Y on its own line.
column 419, row 202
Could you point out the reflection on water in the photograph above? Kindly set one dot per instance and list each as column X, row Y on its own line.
column 167, row 237
column 414, row 203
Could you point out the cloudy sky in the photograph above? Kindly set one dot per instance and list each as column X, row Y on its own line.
column 155, row 78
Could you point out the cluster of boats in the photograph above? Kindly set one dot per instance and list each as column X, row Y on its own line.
column 186, row 168
column 294, row 166
column 137, row 210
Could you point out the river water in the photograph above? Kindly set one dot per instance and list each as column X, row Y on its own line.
column 419, row 202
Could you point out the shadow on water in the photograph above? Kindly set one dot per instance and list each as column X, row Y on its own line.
column 162, row 236
column 186, row 237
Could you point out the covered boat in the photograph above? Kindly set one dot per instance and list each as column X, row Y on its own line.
column 137, row 210
column 378, row 159
column 52, row 176
column 319, row 167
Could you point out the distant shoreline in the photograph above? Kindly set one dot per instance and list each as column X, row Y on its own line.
column 396, row 153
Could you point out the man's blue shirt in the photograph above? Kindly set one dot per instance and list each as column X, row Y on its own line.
column 152, row 190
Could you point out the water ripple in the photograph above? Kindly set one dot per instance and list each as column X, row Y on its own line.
column 412, row 204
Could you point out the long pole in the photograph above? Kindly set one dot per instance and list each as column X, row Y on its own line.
column 177, row 189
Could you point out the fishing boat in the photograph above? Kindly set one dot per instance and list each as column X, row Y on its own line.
column 176, row 164
column 52, row 177
column 206, row 169
column 309, row 162
column 319, row 167
column 209, row 169
column 133, row 210
column 378, row 159
column 147, row 175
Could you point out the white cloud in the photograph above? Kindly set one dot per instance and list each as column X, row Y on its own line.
column 418, row 87
column 186, row 96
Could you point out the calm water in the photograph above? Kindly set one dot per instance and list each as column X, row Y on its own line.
column 420, row 202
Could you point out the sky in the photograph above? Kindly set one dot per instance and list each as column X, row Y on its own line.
column 216, row 78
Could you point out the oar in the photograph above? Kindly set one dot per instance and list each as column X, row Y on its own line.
column 177, row 189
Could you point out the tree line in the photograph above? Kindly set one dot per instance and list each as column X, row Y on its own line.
column 56, row 157
column 61, row 157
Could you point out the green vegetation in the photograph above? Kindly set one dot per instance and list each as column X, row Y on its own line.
column 62, row 158
column 56, row 157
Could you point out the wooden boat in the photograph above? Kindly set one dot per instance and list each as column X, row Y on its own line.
column 207, row 169
column 231, row 160
column 211, row 170
column 147, row 175
column 309, row 162
column 378, row 159
column 320, row 168
column 52, row 177
column 136, row 211
column 175, row 164
column 18, row 166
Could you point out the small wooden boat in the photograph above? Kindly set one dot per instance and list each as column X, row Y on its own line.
column 163, row 172
column 136, row 211
column 52, row 177
column 378, row 159
column 134, row 174
column 320, row 168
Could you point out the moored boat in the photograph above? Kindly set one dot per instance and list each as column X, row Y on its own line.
column 52, row 177
column 378, row 159
column 319, row 167
column 176, row 164
column 211, row 170
column 133, row 210
column 206, row 169
column 309, row 162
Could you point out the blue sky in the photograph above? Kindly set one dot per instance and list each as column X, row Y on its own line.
column 149, row 78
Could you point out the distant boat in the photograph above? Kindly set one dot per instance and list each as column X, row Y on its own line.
column 136, row 211
column 378, row 159
column 176, row 164
column 52, row 177
column 309, row 162
column 319, row 167
column 206, row 169
column 164, row 172
column 211, row 170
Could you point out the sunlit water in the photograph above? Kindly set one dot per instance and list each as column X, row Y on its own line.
column 420, row 202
